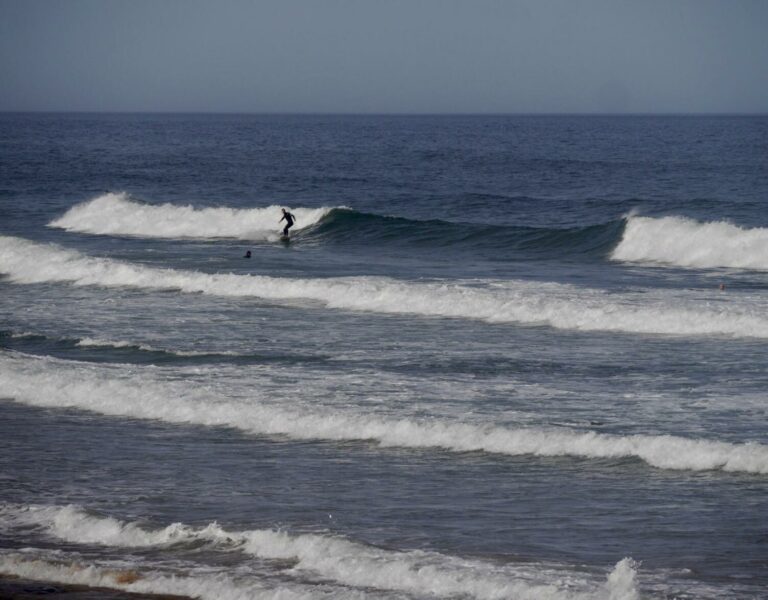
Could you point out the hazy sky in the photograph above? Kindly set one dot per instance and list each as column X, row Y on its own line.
column 432, row 56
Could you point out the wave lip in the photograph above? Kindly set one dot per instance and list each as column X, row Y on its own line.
column 684, row 242
column 556, row 305
column 109, row 391
column 118, row 214
column 334, row 558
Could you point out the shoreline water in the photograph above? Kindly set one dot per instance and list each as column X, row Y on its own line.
column 22, row 588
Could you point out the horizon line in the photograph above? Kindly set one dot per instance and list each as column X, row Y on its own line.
column 392, row 114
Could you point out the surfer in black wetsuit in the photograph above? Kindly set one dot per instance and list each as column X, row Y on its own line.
column 289, row 219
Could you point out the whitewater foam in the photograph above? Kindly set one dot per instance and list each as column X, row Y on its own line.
column 339, row 560
column 557, row 305
column 117, row 214
column 142, row 393
column 687, row 243
column 118, row 344
column 86, row 342
column 139, row 578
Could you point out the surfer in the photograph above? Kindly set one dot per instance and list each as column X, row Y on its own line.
column 247, row 254
column 289, row 219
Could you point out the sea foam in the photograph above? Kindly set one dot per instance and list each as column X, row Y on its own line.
column 117, row 214
column 141, row 393
column 119, row 344
column 557, row 305
column 135, row 577
column 687, row 243
column 339, row 560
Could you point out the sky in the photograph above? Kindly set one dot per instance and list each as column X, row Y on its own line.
column 385, row 56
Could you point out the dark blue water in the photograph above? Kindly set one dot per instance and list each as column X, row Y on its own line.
column 498, row 355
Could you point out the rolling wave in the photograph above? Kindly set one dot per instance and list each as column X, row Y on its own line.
column 556, row 305
column 338, row 560
column 30, row 341
column 342, row 225
column 118, row 214
column 122, row 351
column 140, row 393
column 684, row 242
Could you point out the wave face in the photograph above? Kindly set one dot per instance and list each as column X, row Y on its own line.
column 557, row 305
column 687, row 243
column 335, row 559
column 344, row 225
column 112, row 391
column 118, row 214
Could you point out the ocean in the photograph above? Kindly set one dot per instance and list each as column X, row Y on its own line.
column 500, row 357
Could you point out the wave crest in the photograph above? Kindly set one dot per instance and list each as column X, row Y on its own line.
column 118, row 214
column 687, row 243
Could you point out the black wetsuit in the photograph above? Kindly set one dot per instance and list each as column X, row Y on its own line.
column 289, row 218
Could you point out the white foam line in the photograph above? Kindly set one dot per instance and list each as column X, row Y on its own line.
column 687, row 243
column 560, row 306
column 94, row 342
column 85, row 342
column 117, row 214
column 210, row 586
column 340, row 560
column 139, row 394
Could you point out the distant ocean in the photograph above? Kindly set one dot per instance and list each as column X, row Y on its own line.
column 513, row 357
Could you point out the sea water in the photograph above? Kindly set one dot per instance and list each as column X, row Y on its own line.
column 500, row 357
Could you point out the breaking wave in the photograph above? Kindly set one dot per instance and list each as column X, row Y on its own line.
column 141, row 394
column 556, row 305
column 338, row 560
column 687, row 243
column 118, row 214
column 142, row 578
column 670, row 240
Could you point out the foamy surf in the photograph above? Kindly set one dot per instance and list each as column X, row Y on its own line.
column 334, row 559
column 687, row 243
column 117, row 214
column 94, row 342
column 142, row 393
column 88, row 342
column 139, row 577
column 557, row 305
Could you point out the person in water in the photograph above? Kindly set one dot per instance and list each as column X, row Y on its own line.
column 289, row 220
column 247, row 254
